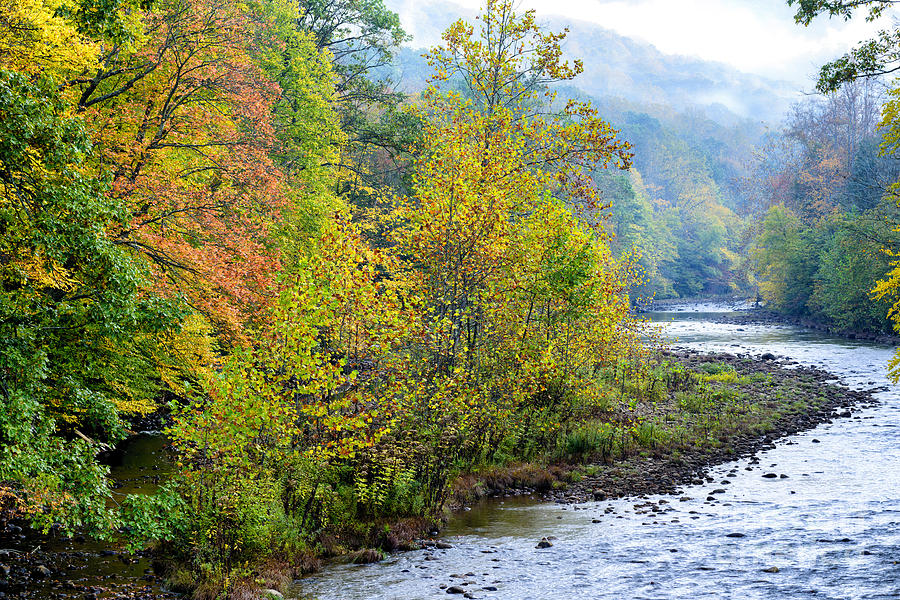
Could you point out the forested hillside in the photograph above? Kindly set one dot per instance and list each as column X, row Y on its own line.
column 682, row 205
column 826, row 228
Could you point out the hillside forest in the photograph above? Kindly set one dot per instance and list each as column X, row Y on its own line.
column 341, row 297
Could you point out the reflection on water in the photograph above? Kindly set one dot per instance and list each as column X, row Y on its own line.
column 139, row 464
column 82, row 567
column 830, row 528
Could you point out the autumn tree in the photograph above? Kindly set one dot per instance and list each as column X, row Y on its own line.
column 519, row 297
column 185, row 126
column 786, row 261
column 870, row 59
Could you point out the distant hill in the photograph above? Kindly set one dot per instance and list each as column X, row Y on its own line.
column 619, row 66
column 616, row 66
column 693, row 124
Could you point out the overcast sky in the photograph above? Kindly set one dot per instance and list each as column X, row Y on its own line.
column 755, row 36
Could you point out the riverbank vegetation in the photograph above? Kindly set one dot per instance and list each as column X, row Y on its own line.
column 665, row 426
column 343, row 298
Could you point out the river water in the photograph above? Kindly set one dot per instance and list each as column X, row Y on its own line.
column 831, row 528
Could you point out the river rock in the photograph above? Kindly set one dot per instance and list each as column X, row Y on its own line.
column 771, row 570
column 41, row 572
column 455, row 589
column 442, row 545
column 544, row 543
column 770, row 475
column 272, row 595
column 736, row 535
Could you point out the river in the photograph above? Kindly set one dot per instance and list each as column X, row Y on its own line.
column 830, row 529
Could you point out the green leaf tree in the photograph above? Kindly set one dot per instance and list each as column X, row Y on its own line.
column 78, row 334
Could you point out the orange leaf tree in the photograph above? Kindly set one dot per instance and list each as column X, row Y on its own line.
column 202, row 127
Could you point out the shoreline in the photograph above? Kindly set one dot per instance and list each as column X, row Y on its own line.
column 810, row 397
column 753, row 314
column 666, row 470
column 761, row 316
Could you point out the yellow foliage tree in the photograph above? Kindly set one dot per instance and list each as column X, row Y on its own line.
column 889, row 288
column 35, row 38
column 520, row 299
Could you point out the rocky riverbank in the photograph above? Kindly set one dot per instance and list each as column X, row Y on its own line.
column 768, row 399
column 60, row 567
column 790, row 398
column 810, row 397
column 781, row 397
